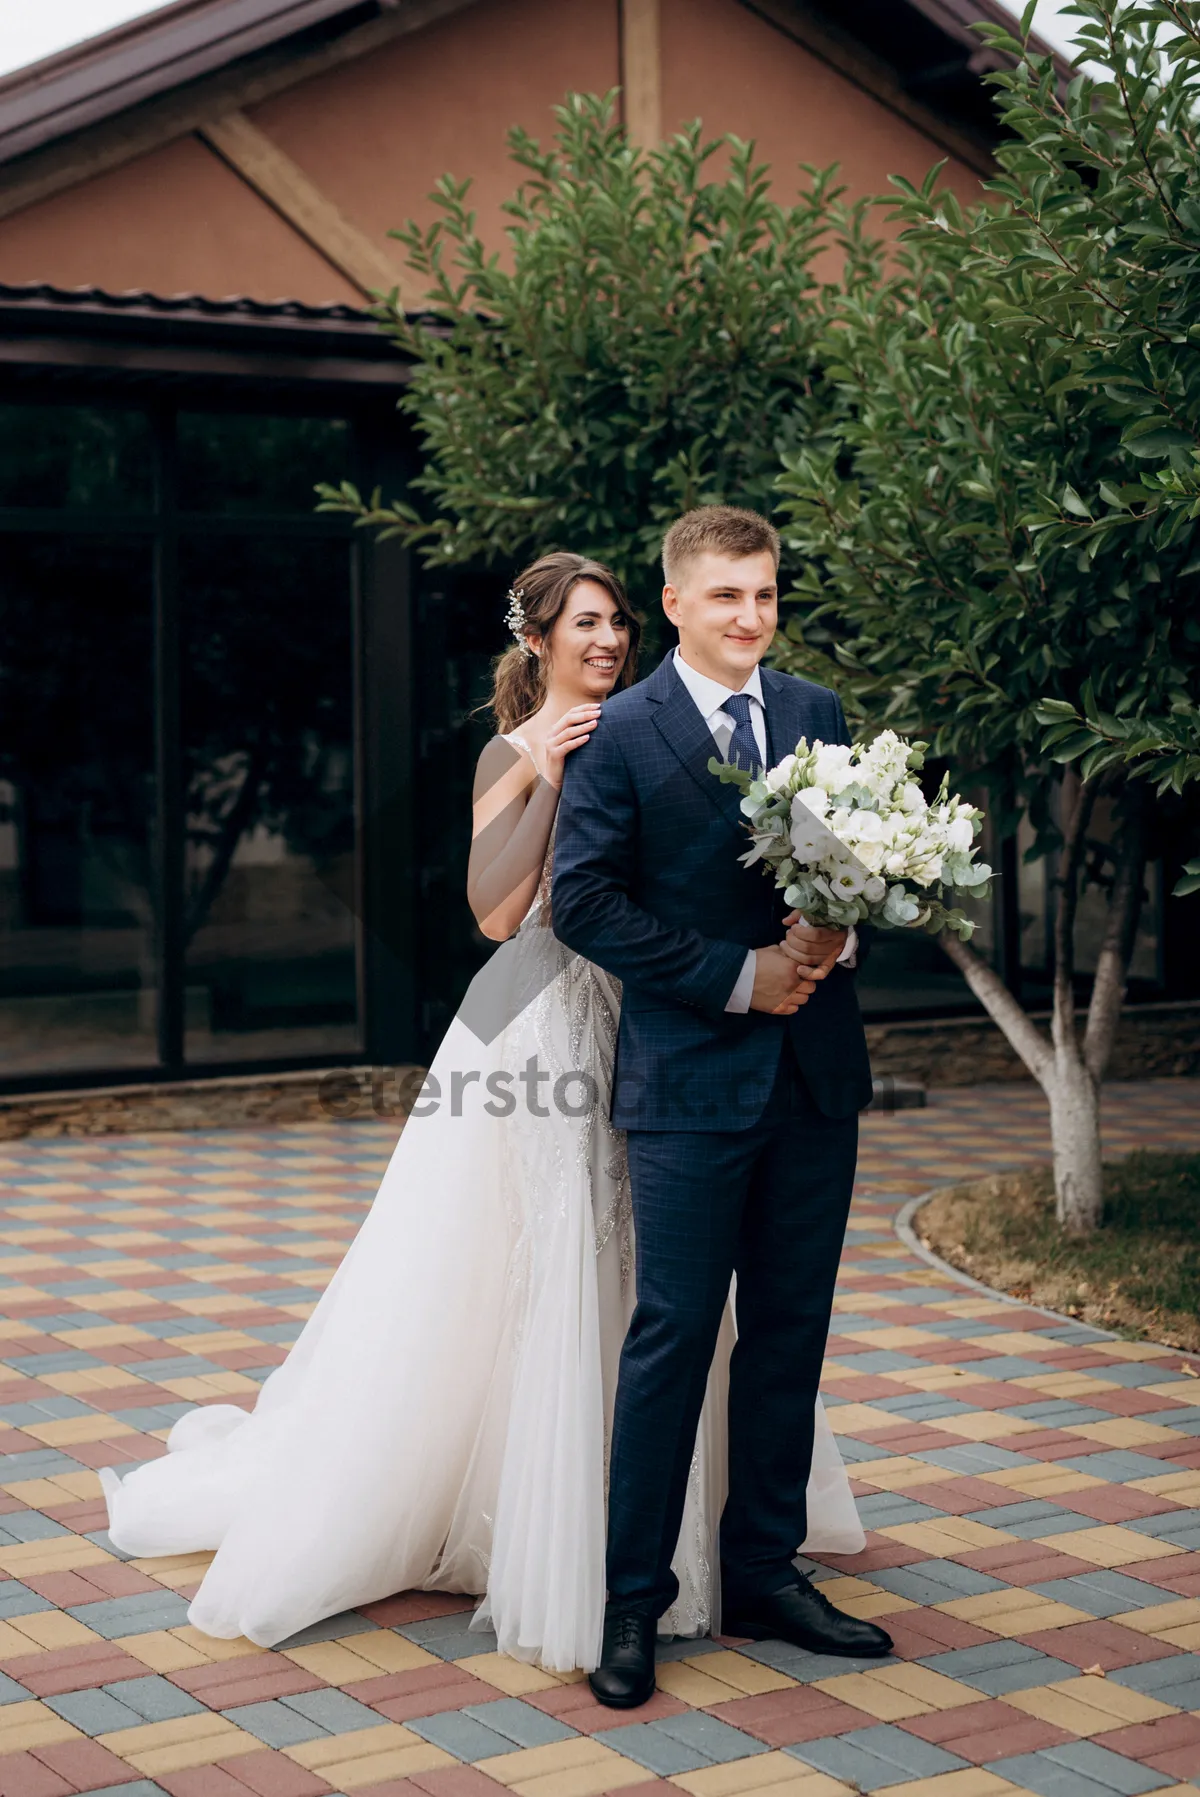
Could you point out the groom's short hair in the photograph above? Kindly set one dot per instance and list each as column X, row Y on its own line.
column 717, row 530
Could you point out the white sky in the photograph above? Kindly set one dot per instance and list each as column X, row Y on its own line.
column 27, row 33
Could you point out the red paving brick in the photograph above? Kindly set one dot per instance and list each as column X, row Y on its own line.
column 980, row 1732
column 1098, row 1643
column 271, row 1774
column 85, row 1764
column 251, row 1680
column 783, row 1718
column 23, row 1776
column 73, row 1668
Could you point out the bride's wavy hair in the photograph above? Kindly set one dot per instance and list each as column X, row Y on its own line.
column 519, row 677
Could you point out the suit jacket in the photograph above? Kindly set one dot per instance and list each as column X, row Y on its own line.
column 647, row 884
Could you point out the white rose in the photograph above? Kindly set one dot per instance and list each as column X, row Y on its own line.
column 959, row 834
column 776, row 778
column 831, row 768
column 910, row 797
column 874, row 890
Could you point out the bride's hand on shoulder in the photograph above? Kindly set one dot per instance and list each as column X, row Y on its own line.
column 573, row 728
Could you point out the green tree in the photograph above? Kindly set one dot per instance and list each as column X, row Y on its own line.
column 958, row 574
column 646, row 343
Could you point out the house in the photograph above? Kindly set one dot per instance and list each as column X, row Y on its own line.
column 219, row 711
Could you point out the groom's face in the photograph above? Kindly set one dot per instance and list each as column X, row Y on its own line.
column 725, row 608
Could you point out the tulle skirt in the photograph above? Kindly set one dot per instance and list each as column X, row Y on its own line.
column 442, row 1422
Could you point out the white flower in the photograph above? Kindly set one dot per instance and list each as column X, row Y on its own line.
column 874, row 890
column 910, row 797
column 959, row 834
column 848, row 881
column 808, row 836
column 831, row 766
column 776, row 778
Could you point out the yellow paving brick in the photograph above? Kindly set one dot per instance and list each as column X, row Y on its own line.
column 763, row 1773
column 158, row 1748
column 859, row 1597
column 745, row 1675
column 1110, row 1545
column 339, row 1662
column 24, row 1726
column 200, row 1387
column 865, row 1692
column 1182, row 1487
column 971, row 1781
column 12, row 1644
column 516, row 1769
column 107, row 1335
column 1047, row 1480
column 374, row 1769
column 514, row 1677
column 61, row 1553
column 857, row 1419
column 1088, row 1705
column 88, row 1378
column 1012, row 1341
column 1123, row 1432
column 894, row 1474
column 1011, row 1611
column 948, row 1536
column 387, row 1652
column 692, row 1686
column 1137, row 1350
column 1160, row 1617
column 162, row 1652
column 212, row 1649
column 1168, row 1389
column 1062, row 1385
column 53, row 1629
column 362, row 1742
column 175, row 1571
column 899, row 1335
column 933, row 1688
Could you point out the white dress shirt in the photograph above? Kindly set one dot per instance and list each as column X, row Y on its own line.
column 709, row 697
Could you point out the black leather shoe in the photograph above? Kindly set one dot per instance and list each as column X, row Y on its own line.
column 800, row 1614
column 625, row 1676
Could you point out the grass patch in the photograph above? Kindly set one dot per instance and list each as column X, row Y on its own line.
column 1138, row 1274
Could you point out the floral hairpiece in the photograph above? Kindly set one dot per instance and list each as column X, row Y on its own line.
column 514, row 617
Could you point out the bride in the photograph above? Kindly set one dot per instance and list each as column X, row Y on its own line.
column 442, row 1422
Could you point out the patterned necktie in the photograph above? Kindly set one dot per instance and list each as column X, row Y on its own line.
column 742, row 747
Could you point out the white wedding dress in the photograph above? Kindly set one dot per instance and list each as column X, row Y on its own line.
column 442, row 1422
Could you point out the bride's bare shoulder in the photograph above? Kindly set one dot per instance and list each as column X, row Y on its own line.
column 506, row 763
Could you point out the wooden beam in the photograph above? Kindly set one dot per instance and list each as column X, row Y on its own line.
column 284, row 185
column 171, row 116
column 843, row 52
column 641, row 71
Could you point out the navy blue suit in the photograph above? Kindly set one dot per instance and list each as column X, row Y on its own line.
column 742, row 1128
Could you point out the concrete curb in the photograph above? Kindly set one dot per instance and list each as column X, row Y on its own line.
column 904, row 1229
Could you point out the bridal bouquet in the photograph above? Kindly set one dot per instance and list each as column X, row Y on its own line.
column 850, row 838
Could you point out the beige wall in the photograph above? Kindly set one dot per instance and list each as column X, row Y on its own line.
column 376, row 134
column 726, row 65
column 176, row 221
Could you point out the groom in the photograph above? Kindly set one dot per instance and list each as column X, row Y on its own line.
column 741, row 1068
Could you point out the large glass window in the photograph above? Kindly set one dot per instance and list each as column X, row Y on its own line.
column 169, row 600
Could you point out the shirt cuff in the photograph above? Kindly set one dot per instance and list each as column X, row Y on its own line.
column 849, row 955
column 739, row 998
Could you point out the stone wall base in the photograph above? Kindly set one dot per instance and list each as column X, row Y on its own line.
column 1153, row 1042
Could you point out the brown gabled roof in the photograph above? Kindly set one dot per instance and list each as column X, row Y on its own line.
column 163, row 49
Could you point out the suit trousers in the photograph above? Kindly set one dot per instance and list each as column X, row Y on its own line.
column 768, row 1203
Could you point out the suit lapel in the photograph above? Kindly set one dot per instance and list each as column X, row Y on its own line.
column 689, row 738
column 787, row 715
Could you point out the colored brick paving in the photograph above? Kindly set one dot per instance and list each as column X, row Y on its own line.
column 1031, row 1491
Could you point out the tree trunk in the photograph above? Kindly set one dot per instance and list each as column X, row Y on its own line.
column 1075, row 1133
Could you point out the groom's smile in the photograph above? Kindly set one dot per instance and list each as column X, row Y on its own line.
column 725, row 609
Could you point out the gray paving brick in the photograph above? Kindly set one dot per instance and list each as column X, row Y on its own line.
column 18, row 1600
column 685, row 1647
column 934, row 1581
column 331, row 1628
column 450, row 1637
column 69, row 1360
column 1009, row 1366
column 113, row 1617
column 1175, row 1680
column 460, row 1734
column 1179, row 1526
column 1059, row 1413
column 861, row 1450
column 709, row 1735
column 919, row 1406
column 646, row 1745
column 37, row 1411
column 885, row 1509
column 155, row 1699
column 804, row 1667
column 1116, row 1466
column 152, row 1417
column 519, row 1722
column 1175, row 1418
column 11, row 1691
column 275, row 1725
column 30, row 1525
column 1102, row 1593
column 1030, row 1512
column 41, row 1463
column 974, row 1457
column 873, row 1758
column 334, row 1710
column 1069, row 1772
column 95, row 1712
column 998, row 1667
column 878, row 1360
column 137, row 1787
column 1135, row 1373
